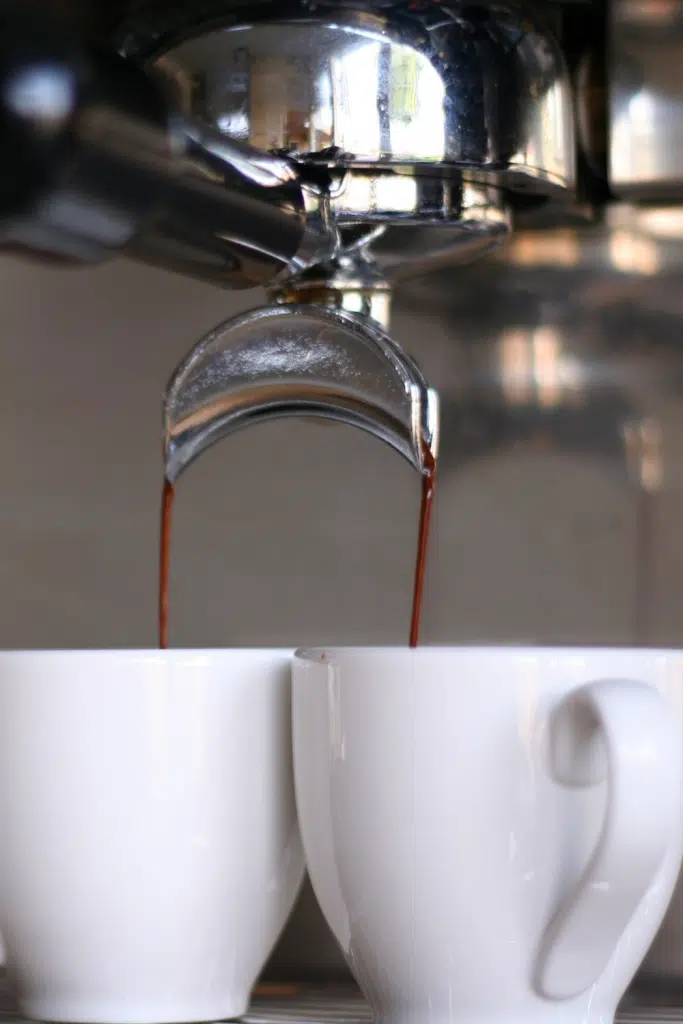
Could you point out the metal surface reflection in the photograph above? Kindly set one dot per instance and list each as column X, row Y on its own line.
column 646, row 99
column 435, row 86
column 297, row 360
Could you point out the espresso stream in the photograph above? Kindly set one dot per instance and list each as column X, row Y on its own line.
column 428, row 486
column 167, row 495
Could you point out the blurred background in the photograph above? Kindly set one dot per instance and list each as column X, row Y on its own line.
column 560, row 498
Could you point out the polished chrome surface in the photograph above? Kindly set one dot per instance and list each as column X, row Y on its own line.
column 352, row 282
column 405, row 255
column 646, row 99
column 99, row 166
column 406, row 200
column 440, row 86
column 411, row 225
column 297, row 360
column 337, row 1004
column 231, row 214
column 416, row 224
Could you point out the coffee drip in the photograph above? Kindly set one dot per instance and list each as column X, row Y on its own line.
column 167, row 496
column 298, row 360
column 428, row 488
column 425, row 522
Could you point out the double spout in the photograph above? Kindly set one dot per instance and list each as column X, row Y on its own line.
column 298, row 360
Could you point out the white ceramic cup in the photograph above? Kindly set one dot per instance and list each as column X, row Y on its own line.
column 492, row 834
column 149, row 847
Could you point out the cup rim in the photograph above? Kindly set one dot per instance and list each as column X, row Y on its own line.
column 151, row 654
column 320, row 654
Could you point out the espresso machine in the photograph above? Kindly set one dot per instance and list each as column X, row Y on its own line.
column 511, row 174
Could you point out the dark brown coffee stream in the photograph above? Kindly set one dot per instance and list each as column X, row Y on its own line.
column 167, row 495
column 428, row 486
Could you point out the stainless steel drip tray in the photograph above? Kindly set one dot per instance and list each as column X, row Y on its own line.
column 329, row 1006
column 272, row 1004
column 306, row 1004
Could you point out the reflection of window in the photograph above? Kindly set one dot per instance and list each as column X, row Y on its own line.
column 633, row 254
column 414, row 96
column 322, row 123
column 535, row 368
column 355, row 78
column 662, row 222
column 643, row 440
column 557, row 249
column 376, row 195
column 404, row 85
column 416, row 106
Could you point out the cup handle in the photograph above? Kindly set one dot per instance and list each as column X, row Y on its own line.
column 623, row 731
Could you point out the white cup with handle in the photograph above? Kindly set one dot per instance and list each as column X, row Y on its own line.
column 493, row 834
column 149, row 846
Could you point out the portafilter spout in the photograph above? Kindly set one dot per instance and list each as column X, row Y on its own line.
column 298, row 360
